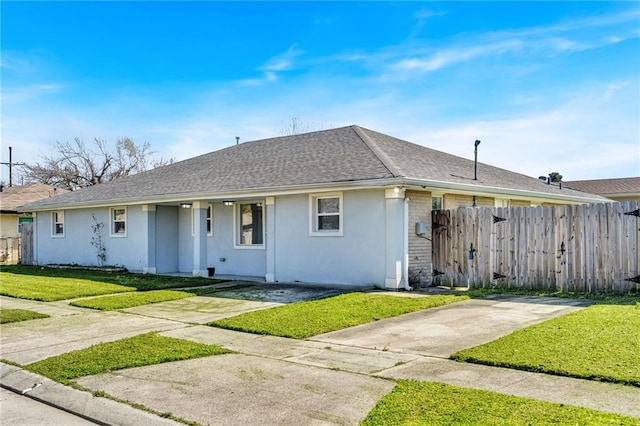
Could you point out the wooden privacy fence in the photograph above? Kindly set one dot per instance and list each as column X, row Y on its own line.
column 590, row 248
column 9, row 250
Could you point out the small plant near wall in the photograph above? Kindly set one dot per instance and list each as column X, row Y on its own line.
column 96, row 241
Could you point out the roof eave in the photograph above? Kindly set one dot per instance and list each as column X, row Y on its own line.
column 225, row 195
column 319, row 187
column 494, row 190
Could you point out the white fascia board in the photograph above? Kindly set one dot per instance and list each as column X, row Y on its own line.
column 255, row 193
column 492, row 191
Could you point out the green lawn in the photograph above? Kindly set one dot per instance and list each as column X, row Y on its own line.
column 304, row 319
column 129, row 300
column 601, row 342
column 144, row 349
column 611, row 299
column 50, row 284
column 422, row 403
column 128, row 279
column 48, row 289
column 15, row 315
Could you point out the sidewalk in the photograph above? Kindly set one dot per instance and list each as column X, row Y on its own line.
column 334, row 378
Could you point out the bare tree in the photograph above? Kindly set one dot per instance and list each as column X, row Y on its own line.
column 76, row 166
column 296, row 127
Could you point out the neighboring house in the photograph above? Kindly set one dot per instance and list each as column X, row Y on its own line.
column 13, row 197
column 342, row 206
column 619, row 189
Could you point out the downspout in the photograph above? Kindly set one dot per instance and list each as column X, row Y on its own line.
column 405, row 246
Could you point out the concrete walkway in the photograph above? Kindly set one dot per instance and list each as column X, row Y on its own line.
column 334, row 378
column 18, row 410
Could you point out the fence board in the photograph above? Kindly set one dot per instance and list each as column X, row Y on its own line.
column 589, row 248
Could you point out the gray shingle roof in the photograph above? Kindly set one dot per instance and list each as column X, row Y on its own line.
column 616, row 186
column 13, row 197
column 347, row 154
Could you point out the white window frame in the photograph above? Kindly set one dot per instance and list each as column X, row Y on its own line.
column 112, row 223
column 313, row 215
column 237, row 221
column 209, row 221
column 55, row 234
column 433, row 200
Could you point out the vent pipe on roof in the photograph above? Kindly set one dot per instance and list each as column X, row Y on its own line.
column 10, row 161
column 237, row 140
column 475, row 161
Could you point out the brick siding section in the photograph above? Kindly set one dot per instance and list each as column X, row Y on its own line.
column 453, row 201
column 419, row 248
column 519, row 203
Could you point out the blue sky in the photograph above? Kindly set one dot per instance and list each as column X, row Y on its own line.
column 546, row 86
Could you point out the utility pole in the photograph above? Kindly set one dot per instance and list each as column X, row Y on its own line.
column 11, row 164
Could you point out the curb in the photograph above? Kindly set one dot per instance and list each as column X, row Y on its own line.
column 102, row 411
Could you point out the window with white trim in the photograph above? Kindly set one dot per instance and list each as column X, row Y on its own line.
column 250, row 223
column 209, row 220
column 437, row 203
column 325, row 214
column 57, row 222
column 118, row 222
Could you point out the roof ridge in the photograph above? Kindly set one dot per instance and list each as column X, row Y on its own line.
column 386, row 161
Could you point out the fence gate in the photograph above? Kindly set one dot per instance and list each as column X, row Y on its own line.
column 26, row 255
column 585, row 248
column 442, row 256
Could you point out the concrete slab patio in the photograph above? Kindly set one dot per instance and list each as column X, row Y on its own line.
column 249, row 296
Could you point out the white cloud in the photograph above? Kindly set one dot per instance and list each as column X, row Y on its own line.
column 283, row 61
column 445, row 57
column 423, row 14
column 422, row 56
column 586, row 137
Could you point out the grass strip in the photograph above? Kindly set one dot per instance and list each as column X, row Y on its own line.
column 423, row 403
column 129, row 300
column 137, row 351
column 141, row 282
column 601, row 342
column 304, row 319
column 49, row 289
column 16, row 315
column 597, row 298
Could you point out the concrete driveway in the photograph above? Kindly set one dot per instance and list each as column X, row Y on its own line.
column 442, row 331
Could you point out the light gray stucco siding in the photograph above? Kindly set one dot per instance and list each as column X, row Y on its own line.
column 237, row 261
column 357, row 257
column 166, row 239
column 185, row 241
column 75, row 246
